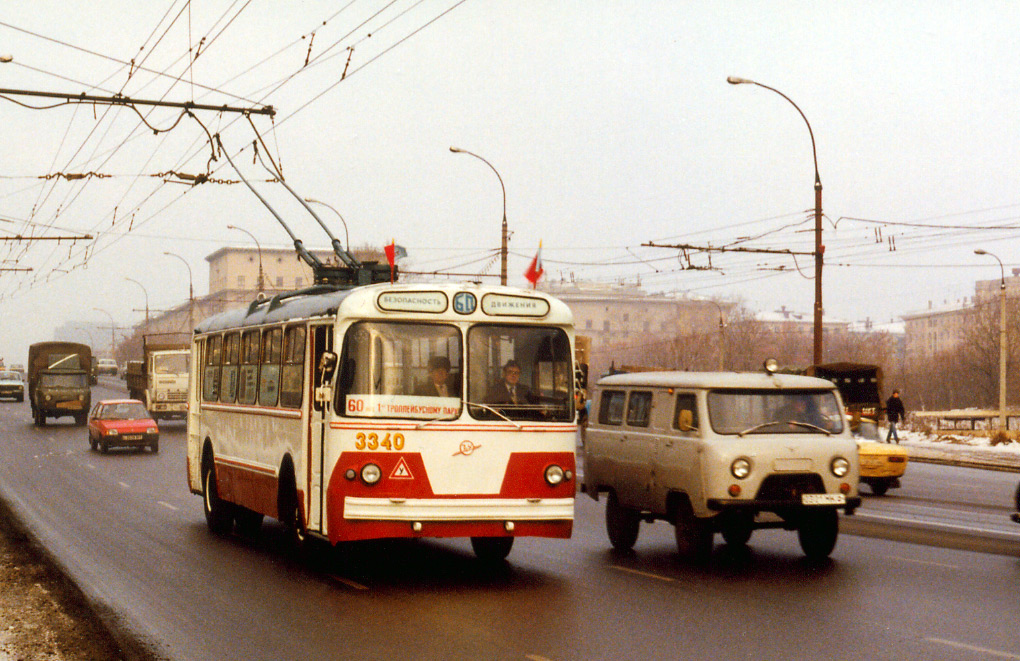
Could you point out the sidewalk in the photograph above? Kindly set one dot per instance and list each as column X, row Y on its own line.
column 971, row 452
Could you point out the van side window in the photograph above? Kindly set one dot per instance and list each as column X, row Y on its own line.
column 686, row 417
column 611, row 407
column 639, row 409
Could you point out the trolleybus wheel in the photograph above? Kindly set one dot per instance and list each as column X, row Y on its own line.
column 622, row 524
column 492, row 549
column 218, row 516
column 290, row 511
column 818, row 532
column 249, row 523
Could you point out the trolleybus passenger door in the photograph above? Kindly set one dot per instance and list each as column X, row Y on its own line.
column 323, row 367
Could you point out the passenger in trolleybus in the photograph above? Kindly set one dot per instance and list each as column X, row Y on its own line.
column 440, row 383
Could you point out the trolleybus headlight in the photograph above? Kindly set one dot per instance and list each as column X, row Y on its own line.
column 740, row 468
column 370, row 473
column 840, row 466
column 554, row 475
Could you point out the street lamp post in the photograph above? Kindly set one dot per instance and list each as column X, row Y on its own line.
column 262, row 280
column 191, row 291
column 347, row 237
column 819, row 248
column 113, row 329
column 503, row 246
column 722, row 336
column 1002, row 338
column 146, row 299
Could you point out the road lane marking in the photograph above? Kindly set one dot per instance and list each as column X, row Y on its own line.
column 348, row 582
column 938, row 525
column 974, row 648
column 536, row 657
column 124, row 485
column 644, row 573
column 924, row 562
column 167, row 505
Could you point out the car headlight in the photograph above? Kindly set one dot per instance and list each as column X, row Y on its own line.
column 371, row 473
column 839, row 466
column 152, row 430
column 554, row 475
column 112, row 432
column 740, row 468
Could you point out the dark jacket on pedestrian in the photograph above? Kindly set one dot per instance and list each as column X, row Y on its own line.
column 894, row 409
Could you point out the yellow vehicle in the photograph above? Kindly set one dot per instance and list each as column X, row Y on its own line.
column 882, row 464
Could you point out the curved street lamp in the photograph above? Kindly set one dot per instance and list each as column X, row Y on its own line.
column 113, row 328
column 819, row 248
column 347, row 238
column 191, row 291
column 503, row 247
column 146, row 299
column 1002, row 338
column 262, row 280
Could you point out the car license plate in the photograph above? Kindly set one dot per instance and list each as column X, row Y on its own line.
column 823, row 499
column 133, row 437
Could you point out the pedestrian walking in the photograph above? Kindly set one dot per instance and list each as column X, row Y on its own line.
column 895, row 412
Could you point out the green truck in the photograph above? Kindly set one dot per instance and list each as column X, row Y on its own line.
column 58, row 381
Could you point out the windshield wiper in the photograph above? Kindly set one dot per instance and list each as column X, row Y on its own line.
column 757, row 427
column 425, row 423
column 809, row 426
column 499, row 413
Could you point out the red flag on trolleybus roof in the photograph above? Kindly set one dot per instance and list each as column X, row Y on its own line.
column 535, row 269
column 391, row 256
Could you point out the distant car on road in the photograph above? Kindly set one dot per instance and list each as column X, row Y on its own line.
column 12, row 386
column 122, row 423
column 882, row 464
column 1016, row 515
column 107, row 366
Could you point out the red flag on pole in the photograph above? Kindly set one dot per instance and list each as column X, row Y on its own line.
column 391, row 256
column 535, row 269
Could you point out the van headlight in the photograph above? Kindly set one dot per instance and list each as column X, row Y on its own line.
column 741, row 468
column 839, row 466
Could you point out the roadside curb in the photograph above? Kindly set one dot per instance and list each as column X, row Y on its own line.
column 965, row 458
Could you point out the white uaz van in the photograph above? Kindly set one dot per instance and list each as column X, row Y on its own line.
column 721, row 452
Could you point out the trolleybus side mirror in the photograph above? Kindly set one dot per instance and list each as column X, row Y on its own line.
column 327, row 365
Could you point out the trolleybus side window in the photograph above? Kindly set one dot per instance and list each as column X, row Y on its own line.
column 269, row 375
column 211, row 373
column 611, row 407
column 639, row 409
column 247, row 387
column 231, row 358
column 384, row 366
column 520, row 373
column 291, row 380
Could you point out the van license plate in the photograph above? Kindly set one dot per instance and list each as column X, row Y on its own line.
column 823, row 499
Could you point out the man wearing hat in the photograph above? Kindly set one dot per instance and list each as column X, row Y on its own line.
column 439, row 384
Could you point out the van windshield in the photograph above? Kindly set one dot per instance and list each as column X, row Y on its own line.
column 63, row 381
column 774, row 412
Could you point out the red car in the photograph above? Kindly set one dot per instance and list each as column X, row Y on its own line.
column 122, row 423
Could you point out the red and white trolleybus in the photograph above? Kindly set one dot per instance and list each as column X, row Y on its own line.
column 388, row 410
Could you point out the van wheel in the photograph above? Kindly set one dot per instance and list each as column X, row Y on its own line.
column 693, row 535
column 622, row 524
column 818, row 532
column 738, row 531
column 492, row 549
column 218, row 516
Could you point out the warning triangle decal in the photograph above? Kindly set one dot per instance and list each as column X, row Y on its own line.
column 401, row 471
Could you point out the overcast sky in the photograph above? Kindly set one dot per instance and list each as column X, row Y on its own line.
column 611, row 124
